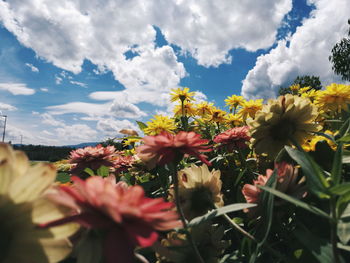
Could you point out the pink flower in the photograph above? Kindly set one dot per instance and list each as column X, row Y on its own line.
column 128, row 217
column 287, row 182
column 234, row 138
column 122, row 163
column 91, row 157
column 165, row 147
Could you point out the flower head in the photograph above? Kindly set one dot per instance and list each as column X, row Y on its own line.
column 122, row 163
column 217, row 115
column 234, row 119
column 204, row 108
column 234, row 101
column 23, row 206
column 131, row 141
column 199, row 190
column 185, row 109
column 280, row 122
column 160, row 124
column 335, row 97
column 294, row 88
column 129, row 218
column 249, row 108
column 181, row 95
column 165, row 147
column 287, row 182
column 234, row 138
column 91, row 157
column 129, row 132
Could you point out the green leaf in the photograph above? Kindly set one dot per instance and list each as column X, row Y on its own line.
column 343, row 230
column 337, row 164
column 340, row 189
column 89, row 248
column 344, row 129
column 341, row 246
column 345, row 139
column 295, row 201
column 89, row 171
column 220, row 211
column 63, row 178
column 315, row 177
column 141, row 125
column 103, row 171
column 319, row 248
column 346, row 159
column 342, row 203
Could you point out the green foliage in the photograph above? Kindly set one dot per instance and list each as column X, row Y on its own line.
column 44, row 153
column 308, row 81
column 340, row 57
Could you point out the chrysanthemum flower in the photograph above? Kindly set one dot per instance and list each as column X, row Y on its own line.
column 234, row 101
column 185, row 109
column 91, row 157
column 203, row 109
column 249, row 108
column 23, row 206
column 199, row 190
column 287, row 182
column 128, row 217
column 160, row 124
column 294, row 88
column 304, row 90
column 335, row 97
column 234, row 138
column 234, row 120
column 281, row 121
column 131, row 141
column 165, row 147
column 311, row 94
column 310, row 145
column 217, row 115
column 122, row 163
column 181, row 95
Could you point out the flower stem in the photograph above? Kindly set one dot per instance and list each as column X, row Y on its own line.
column 334, row 238
column 182, row 216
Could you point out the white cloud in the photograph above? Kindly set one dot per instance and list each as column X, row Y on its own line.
column 32, row 67
column 124, row 109
column 49, row 119
column 306, row 53
column 58, row 80
column 6, row 107
column 17, row 88
column 76, row 132
column 111, row 127
column 81, row 84
column 44, row 89
column 90, row 109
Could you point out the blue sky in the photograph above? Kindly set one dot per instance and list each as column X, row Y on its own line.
column 69, row 74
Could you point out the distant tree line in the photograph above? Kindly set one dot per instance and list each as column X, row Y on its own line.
column 44, row 153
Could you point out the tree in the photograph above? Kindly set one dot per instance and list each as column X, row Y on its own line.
column 308, row 81
column 340, row 57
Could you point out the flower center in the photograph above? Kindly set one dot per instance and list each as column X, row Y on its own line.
column 201, row 200
column 283, row 130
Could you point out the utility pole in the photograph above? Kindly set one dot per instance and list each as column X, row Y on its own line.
column 21, row 139
column 4, row 131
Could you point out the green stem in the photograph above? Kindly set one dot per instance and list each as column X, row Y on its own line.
column 334, row 237
column 182, row 216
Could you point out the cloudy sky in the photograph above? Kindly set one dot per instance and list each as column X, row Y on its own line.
column 76, row 71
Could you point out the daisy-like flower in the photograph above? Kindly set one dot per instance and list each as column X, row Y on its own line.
column 287, row 182
column 121, row 163
column 335, row 97
column 234, row 120
column 281, row 121
column 234, row 138
column 185, row 109
column 199, row 190
column 23, row 206
column 159, row 124
column 311, row 94
column 203, row 109
column 304, row 90
column 127, row 217
column 294, row 88
column 310, row 145
column 234, row 101
column 166, row 147
column 62, row 165
column 217, row 115
column 131, row 141
column 181, row 95
column 249, row 108
column 91, row 157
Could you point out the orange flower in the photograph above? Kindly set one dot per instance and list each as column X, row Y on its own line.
column 128, row 218
column 165, row 147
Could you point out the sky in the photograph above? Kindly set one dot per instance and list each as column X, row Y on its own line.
column 74, row 71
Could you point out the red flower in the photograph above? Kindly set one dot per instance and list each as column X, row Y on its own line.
column 91, row 157
column 165, row 147
column 287, row 182
column 129, row 218
column 234, row 138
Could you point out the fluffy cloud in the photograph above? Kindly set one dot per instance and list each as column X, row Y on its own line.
column 77, row 133
column 81, row 84
column 17, row 88
column 49, row 119
column 32, row 67
column 6, row 107
column 111, row 127
column 306, row 52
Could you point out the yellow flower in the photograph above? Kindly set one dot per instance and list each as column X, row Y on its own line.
column 304, row 90
column 204, row 109
column 249, row 108
column 311, row 94
column 62, row 165
column 234, row 101
column 199, row 190
column 294, row 87
column 181, row 95
column 158, row 124
column 217, row 115
column 131, row 141
column 282, row 120
column 334, row 98
column 310, row 145
column 234, row 120
column 188, row 109
column 22, row 207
